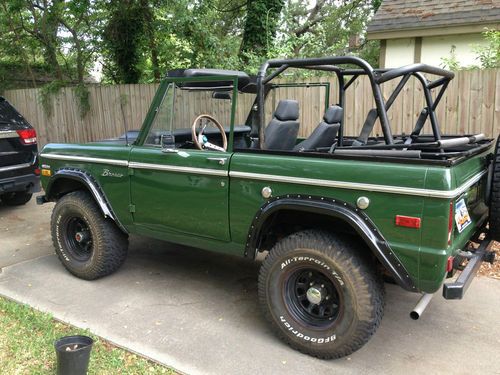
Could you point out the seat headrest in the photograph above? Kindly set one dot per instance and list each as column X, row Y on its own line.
column 333, row 114
column 287, row 110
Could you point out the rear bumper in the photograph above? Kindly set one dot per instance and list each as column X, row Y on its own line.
column 457, row 289
column 29, row 183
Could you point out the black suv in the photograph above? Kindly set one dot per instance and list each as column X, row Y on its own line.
column 19, row 173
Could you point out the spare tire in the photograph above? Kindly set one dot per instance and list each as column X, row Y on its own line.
column 494, row 193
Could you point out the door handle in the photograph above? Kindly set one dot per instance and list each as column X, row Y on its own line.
column 221, row 161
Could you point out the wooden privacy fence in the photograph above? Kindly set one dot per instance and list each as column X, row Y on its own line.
column 470, row 105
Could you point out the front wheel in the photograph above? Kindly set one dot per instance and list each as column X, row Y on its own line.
column 321, row 294
column 87, row 244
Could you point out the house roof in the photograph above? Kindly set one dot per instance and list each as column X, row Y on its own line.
column 399, row 15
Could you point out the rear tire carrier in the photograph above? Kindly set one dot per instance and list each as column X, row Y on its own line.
column 495, row 194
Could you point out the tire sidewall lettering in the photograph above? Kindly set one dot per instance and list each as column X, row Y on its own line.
column 306, row 337
column 296, row 330
column 59, row 240
column 59, row 233
column 296, row 259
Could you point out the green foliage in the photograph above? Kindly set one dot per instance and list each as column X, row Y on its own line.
column 376, row 4
column 489, row 55
column 123, row 36
column 261, row 24
column 370, row 52
column 140, row 40
column 48, row 93
column 82, row 95
column 451, row 62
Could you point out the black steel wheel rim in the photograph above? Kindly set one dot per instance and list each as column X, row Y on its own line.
column 78, row 239
column 313, row 297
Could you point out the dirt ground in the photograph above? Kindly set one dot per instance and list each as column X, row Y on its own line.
column 492, row 270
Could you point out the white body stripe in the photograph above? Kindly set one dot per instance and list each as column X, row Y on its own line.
column 123, row 163
column 174, row 168
column 286, row 179
column 362, row 186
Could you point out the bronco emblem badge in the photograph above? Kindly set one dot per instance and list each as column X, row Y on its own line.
column 107, row 173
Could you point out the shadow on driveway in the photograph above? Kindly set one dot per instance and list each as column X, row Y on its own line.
column 198, row 312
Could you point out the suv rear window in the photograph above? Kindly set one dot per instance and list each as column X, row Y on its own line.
column 9, row 116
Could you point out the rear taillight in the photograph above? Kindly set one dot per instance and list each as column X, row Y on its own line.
column 450, row 223
column 449, row 264
column 27, row 136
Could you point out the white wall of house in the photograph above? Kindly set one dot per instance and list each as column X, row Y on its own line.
column 402, row 51
column 436, row 47
column 399, row 52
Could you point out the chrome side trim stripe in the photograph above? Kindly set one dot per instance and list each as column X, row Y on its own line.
column 122, row 163
column 14, row 167
column 447, row 194
column 8, row 134
column 18, row 166
column 361, row 186
column 173, row 168
column 136, row 165
column 469, row 183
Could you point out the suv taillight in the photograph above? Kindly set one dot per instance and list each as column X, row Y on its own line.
column 27, row 136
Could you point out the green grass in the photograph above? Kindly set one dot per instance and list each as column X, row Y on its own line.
column 27, row 346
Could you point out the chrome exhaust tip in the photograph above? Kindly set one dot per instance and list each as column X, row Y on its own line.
column 421, row 305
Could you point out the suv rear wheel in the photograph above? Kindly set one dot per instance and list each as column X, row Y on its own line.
column 88, row 245
column 322, row 296
column 17, row 198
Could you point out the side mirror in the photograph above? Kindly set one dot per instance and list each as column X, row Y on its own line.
column 224, row 95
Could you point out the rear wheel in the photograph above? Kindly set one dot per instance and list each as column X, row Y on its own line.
column 88, row 245
column 321, row 295
column 17, row 198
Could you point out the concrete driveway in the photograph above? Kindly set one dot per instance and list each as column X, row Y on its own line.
column 198, row 312
column 24, row 232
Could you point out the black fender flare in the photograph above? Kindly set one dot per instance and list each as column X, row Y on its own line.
column 92, row 186
column 355, row 217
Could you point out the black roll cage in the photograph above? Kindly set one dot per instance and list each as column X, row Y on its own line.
column 376, row 77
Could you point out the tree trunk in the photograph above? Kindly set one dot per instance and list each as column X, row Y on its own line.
column 153, row 46
column 261, row 23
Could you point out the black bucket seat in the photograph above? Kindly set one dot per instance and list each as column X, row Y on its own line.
column 325, row 133
column 281, row 132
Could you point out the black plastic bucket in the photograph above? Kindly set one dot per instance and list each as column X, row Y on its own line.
column 73, row 354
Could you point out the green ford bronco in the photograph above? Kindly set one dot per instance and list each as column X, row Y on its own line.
column 222, row 162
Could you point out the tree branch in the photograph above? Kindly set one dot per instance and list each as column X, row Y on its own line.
column 313, row 18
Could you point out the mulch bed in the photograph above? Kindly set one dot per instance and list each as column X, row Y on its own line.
column 492, row 270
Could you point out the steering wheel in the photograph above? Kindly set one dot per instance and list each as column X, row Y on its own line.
column 201, row 140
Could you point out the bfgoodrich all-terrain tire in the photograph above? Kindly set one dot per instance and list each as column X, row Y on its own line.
column 88, row 245
column 17, row 198
column 495, row 194
column 322, row 296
